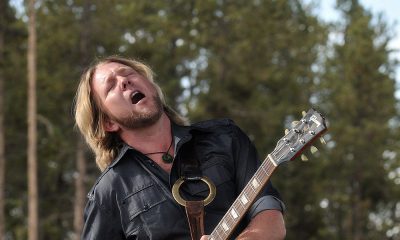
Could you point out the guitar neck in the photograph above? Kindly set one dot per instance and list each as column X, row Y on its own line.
column 303, row 133
column 245, row 199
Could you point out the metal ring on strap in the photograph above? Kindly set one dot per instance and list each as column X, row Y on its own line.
column 176, row 194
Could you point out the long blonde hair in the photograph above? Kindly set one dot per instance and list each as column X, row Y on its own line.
column 90, row 117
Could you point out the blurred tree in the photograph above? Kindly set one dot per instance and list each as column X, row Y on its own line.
column 80, row 189
column 33, row 215
column 163, row 34
column 13, row 69
column 359, row 96
column 260, row 61
column 184, row 43
column 254, row 61
column 67, row 42
column 3, row 9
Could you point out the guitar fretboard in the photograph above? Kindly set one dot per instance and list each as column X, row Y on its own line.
column 303, row 133
column 243, row 202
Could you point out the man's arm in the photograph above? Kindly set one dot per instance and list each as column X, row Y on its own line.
column 265, row 216
column 266, row 225
column 100, row 224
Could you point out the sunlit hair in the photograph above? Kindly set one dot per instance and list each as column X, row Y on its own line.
column 90, row 117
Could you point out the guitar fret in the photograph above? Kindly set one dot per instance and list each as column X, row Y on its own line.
column 229, row 219
column 224, row 229
column 263, row 168
column 312, row 125
column 221, row 232
column 271, row 159
column 242, row 203
column 240, row 207
column 252, row 188
column 255, row 183
column 218, row 230
column 234, row 213
column 243, row 199
column 225, row 226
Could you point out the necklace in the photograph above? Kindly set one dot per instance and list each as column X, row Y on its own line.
column 166, row 157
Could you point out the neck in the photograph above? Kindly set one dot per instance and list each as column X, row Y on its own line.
column 156, row 137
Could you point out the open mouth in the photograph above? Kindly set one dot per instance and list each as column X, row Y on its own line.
column 136, row 97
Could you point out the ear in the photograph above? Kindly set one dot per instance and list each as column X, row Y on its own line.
column 110, row 125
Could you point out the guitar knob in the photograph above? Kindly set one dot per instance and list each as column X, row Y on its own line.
column 304, row 158
column 294, row 123
column 322, row 140
column 303, row 113
column 313, row 149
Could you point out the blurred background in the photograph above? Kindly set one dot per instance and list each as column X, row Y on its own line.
column 258, row 62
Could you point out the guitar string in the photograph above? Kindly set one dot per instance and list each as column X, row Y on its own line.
column 257, row 175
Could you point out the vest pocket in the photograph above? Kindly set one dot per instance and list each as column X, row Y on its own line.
column 140, row 208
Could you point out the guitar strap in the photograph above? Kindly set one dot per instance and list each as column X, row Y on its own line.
column 189, row 170
column 195, row 216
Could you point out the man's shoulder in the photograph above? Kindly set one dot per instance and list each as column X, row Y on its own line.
column 221, row 127
column 103, row 186
column 215, row 124
column 115, row 177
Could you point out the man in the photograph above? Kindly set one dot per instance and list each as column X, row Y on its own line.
column 142, row 147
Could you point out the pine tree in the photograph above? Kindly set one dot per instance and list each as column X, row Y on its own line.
column 70, row 36
column 260, row 58
column 359, row 97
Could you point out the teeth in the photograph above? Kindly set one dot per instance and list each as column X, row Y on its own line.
column 133, row 94
column 136, row 97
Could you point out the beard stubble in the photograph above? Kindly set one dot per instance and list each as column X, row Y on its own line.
column 143, row 119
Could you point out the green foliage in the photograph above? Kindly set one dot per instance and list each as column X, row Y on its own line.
column 13, row 67
column 360, row 101
column 259, row 57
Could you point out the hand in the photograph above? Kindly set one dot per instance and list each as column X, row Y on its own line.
column 267, row 225
column 204, row 237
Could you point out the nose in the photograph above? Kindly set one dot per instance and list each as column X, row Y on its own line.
column 125, row 83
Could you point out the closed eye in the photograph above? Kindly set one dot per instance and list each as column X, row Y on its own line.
column 110, row 84
column 124, row 72
column 111, row 87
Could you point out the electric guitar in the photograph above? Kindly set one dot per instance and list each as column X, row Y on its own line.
column 303, row 133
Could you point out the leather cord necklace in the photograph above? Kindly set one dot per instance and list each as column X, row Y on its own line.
column 166, row 157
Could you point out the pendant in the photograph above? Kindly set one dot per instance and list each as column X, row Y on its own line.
column 167, row 158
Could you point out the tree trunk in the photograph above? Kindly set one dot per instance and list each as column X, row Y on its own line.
column 80, row 190
column 33, row 231
column 2, row 154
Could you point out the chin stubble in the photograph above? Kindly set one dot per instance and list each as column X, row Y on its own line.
column 143, row 119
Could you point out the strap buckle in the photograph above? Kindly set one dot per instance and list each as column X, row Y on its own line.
column 177, row 196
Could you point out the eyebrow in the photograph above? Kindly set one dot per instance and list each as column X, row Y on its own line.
column 119, row 70
column 123, row 69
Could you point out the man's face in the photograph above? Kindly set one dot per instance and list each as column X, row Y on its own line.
column 128, row 98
